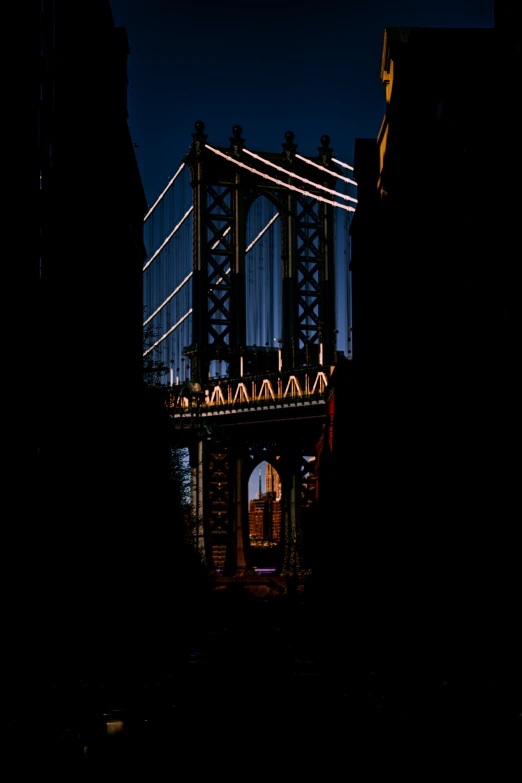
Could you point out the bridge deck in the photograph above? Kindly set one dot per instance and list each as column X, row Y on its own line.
column 296, row 393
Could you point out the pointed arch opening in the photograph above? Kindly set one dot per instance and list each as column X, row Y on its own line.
column 265, row 517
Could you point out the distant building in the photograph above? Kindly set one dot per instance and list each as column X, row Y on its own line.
column 275, row 516
column 264, row 518
column 272, row 481
column 264, row 515
column 257, row 519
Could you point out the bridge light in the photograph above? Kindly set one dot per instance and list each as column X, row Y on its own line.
column 287, row 185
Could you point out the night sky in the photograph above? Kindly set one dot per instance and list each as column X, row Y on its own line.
column 267, row 65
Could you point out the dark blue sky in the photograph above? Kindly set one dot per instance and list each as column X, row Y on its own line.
column 268, row 65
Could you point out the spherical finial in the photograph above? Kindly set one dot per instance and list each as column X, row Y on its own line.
column 199, row 139
column 325, row 140
column 236, row 142
column 288, row 146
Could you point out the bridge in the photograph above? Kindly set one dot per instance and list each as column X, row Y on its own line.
column 246, row 295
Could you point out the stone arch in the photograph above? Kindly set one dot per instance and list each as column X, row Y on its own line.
column 265, row 515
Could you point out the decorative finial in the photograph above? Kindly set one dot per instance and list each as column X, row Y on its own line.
column 199, row 138
column 236, row 142
column 325, row 151
column 289, row 147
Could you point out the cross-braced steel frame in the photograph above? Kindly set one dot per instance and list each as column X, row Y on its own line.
column 224, row 190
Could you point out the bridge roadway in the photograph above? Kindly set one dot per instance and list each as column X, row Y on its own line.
column 290, row 395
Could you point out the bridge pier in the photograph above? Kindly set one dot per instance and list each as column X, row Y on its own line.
column 239, row 519
column 219, row 498
column 220, row 471
column 269, row 403
column 292, row 529
column 197, row 487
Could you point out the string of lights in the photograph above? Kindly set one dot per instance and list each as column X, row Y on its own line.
column 172, row 181
column 173, row 259
column 279, row 182
column 333, row 173
column 158, row 251
column 168, row 332
column 263, row 231
column 216, row 243
column 187, row 278
column 297, row 176
column 167, row 300
column 344, row 165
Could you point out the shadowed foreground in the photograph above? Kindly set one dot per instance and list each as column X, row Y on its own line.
column 263, row 687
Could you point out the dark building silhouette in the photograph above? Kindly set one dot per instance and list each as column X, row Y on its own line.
column 432, row 238
column 91, row 219
column 421, row 421
column 91, row 569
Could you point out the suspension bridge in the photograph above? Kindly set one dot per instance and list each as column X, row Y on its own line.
column 247, row 300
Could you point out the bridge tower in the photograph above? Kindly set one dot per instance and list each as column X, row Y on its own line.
column 241, row 432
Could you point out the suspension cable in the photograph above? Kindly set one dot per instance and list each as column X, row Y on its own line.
column 167, row 333
column 219, row 240
column 221, row 278
column 172, row 181
column 278, row 181
column 167, row 300
column 251, row 245
column 158, row 251
column 323, row 168
column 296, row 176
column 344, row 165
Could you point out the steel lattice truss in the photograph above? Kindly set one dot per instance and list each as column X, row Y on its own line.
column 220, row 255
column 289, row 365
column 309, row 262
column 219, row 482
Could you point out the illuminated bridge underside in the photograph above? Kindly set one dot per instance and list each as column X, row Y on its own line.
column 281, row 393
column 230, row 427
